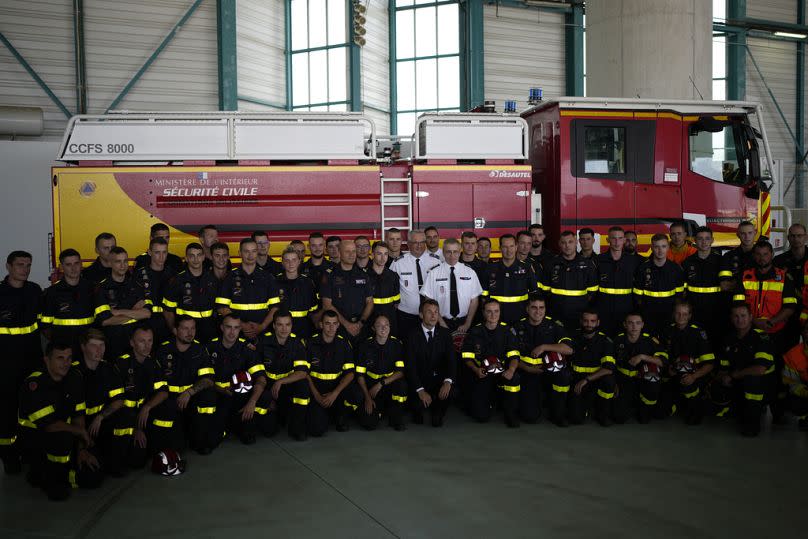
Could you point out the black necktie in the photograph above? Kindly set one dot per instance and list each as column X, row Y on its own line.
column 418, row 271
column 429, row 337
column 454, row 305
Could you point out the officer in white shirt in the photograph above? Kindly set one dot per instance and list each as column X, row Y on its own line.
column 433, row 243
column 455, row 287
column 412, row 269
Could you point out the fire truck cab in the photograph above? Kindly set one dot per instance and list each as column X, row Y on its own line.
column 642, row 164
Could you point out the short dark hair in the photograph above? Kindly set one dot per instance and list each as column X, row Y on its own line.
column 567, row 233
column 484, row 238
column 118, row 250
column 701, row 229
column 220, row 246
column 745, row 223
column 207, row 227
column 590, row 310
column 536, row 226
column 233, row 315
column 281, row 313
column 157, row 241
column 468, row 234
column 67, row 253
column 380, row 244
column 586, row 230
column 257, row 233
column 103, row 236
column 616, row 229
column 58, row 344
column 523, row 233
column 763, row 244
column 659, row 237
column 506, row 237
column 193, row 245
column 297, row 242
column 14, row 255
column 630, row 232
column 315, row 235
column 633, row 313
column 332, row 239
column 428, row 301
column 158, row 227
column 180, row 318
column 679, row 224
column 430, row 227
column 741, row 305
column 536, row 297
column 679, row 302
column 393, row 229
column 330, row 313
column 361, row 238
column 92, row 334
column 245, row 241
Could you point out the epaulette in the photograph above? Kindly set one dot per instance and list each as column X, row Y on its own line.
column 340, row 336
column 240, row 339
column 317, row 335
column 102, row 281
column 35, row 374
column 165, row 342
column 75, row 363
column 694, row 326
column 124, row 356
column 393, row 337
column 503, row 324
column 644, row 334
column 624, row 334
column 216, row 339
column 180, row 273
column 268, row 334
column 197, row 342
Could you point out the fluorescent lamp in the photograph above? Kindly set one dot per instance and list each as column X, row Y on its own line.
column 790, row 34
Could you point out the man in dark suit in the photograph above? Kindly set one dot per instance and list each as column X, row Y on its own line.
column 431, row 365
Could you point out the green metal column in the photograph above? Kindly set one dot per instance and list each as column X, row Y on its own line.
column 80, row 56
column 799, row 192
column 287, row 23
column 472, row 61
column 391, row 22
column 228, row 69
column 736, row 52
column 574, row 57
column 355, row 62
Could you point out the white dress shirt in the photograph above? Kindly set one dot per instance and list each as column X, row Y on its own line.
column 436, row 287
column 408, row 280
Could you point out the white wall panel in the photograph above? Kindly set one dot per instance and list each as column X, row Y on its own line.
column 772, row 10
column 524, row 48
column 376, row 65
column 260, row 27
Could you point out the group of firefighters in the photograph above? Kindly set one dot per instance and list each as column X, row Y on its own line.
column 174, row 353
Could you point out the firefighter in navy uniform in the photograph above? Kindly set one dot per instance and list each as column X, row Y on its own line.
column 119, row 302
column 659, row 282
column 69, row 304
column 264, row 260
column 539, row 334
column 639, row 361
column 242, row 404
column 101, row 268
column 192, row 292
column 745, row 363
column 251, row 292
column 346, row 289
column 171, row 261
column 616, row 270
column 703, row 285
column 691, row 360
column 735, row 261
column 286, row 367
column 570, row 282
column 135, row 374
column 317, row 264
column 331, row 378
column 186, row 402
column 384, row 283
column 380, row 376
column 510, row 281
column 794, row 261
column 20, row 304
column 53, row 437
column 486, row 344
column 298, row 294
column 592, row 366
column 772, row 297
column 153, row 278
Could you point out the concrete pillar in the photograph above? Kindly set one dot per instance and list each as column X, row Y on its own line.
column 650, row 48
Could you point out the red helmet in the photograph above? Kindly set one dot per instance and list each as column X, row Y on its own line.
column 649, row 371
column 492, row 365
column 554, row 362
column 684, row 364
column 168, row 462
column 242, row 382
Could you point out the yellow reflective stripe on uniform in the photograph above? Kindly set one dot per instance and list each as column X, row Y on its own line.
column 206, row 409
column 512, row 353
column 222, row 301
column 223, row 385
column 325, row 375
column 680, row 289
column 739, row 297
column 753, row 396
column 703, row 289
column 576, row 368
column 766, row 286
column 637, row 291
column 115, row 392
column 157, row 309
column 607, row 359
column 705, row 357
column 273, row 301
column 725, row 273
column 39, row 414
column 278, row 376
column 646, row 400
column 248, row 306
column 349, row 405
column 60, row 459
column 168, row 303
column 101, row 308
column 123, row 432
column 204, row 370
column 261, row 411
column 661, row 293
column 377, row 376
column 256, row 368
column 301, row 402
column 94, row 409
column 467, row 355
column 789, row 299
column 26, row 423
column 386, row 301
column 627, row 372
column 561, row 389
column 162, row 423
column 299, row 314
column 25, row 330
column 605, row 394
column 360, row 369
column 485, row 292
column 73, row 321
column 133, row 404
column 8, row 441
column 692, row 394
column 179, row 389
column 399, row 398
column 510, row 299
column 158, row 385
column 46, row 319
column 301, row 363
column 400, row 364
column 196, row 314
column 614, row 291
column 511, row 389
column 764, row 355
column 531, row 360
column 348, row 366
column 564, row 292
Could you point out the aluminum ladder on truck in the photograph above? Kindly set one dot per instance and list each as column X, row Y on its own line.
column 396, row 192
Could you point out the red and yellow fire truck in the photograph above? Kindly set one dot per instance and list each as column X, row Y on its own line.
column 569, row 163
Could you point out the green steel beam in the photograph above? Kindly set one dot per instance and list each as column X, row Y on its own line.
column 564, row 8
column 226, row 48
column 736, row 53
column 355, row 61
column 391, row 22
column 766, row 24
column 14, row 52
column 287, row 22
column 264, row 102
column 154, row 55
column 472, row 60
column 80, row 56
column 800, row 116
column 574, row 43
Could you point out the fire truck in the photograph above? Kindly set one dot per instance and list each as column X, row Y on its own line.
column 568, row 163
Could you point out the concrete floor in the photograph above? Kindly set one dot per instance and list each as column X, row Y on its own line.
column 659, row 480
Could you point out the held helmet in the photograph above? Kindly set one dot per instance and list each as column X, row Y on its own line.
column 168, row 463
column 492, row 365
column 554, row 362
column 242, row 382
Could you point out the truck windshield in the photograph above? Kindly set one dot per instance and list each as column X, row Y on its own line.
column 713, row 150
